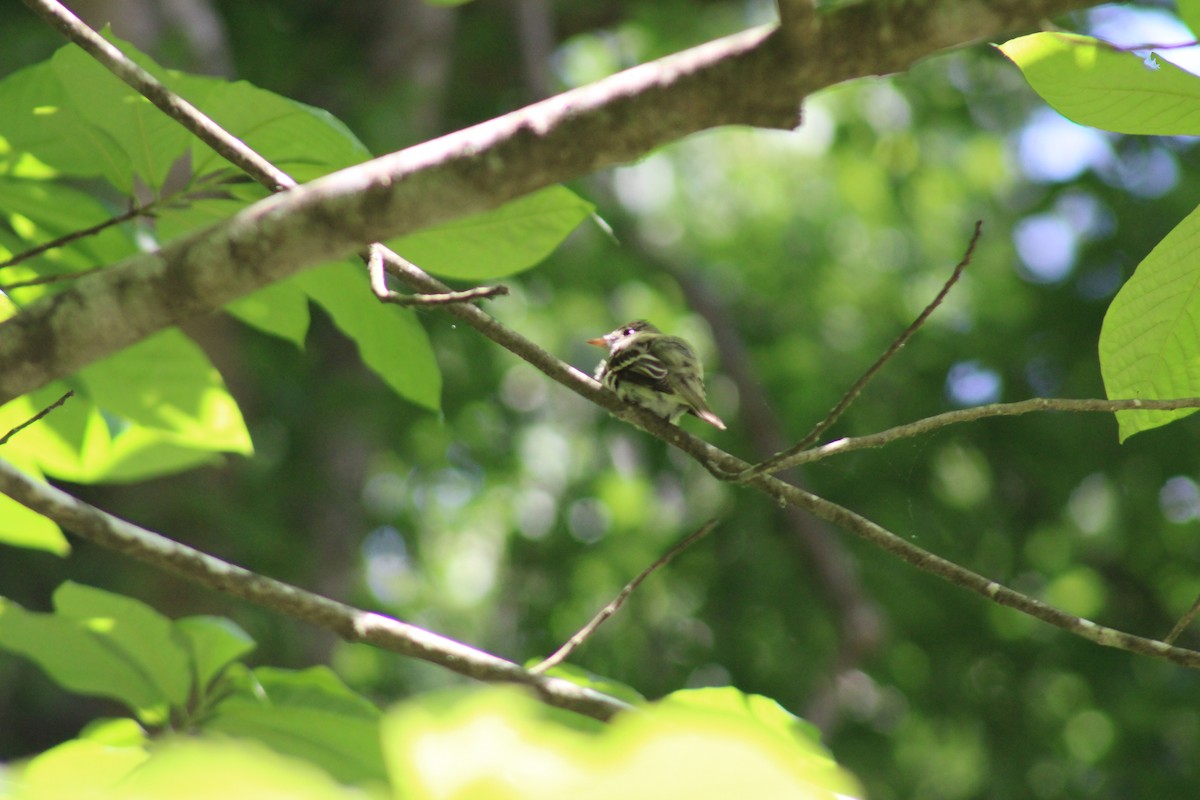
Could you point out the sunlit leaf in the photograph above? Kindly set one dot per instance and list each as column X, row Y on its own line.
column 1150, row 340
column 102, row 644
column 311, row 715
column 390, row 340
column 510, row 239
column 1095, row 84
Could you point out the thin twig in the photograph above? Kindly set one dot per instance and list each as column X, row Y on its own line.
column 1184, row 621
column 36, row 250
column 4, row 439
column 582, row 635
column 446, row 298
column 352, row 624
column 959, row 416
column 771, row 464
column 46, row 279
column 375, row 259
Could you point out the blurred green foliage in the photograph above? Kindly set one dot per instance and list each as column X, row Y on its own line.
column 509, row 517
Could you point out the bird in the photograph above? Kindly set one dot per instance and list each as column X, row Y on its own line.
column 658, row 372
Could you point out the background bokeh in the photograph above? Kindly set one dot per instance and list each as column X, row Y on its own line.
column 790, row 260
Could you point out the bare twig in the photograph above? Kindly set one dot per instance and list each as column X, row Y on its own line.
column 4, row 439
column 959, row 416
column 1183, row 622
column 582, row 635
column 352, row 624
column 25, row 255
column 772, row 463
column 47, row 279
column 375, row 258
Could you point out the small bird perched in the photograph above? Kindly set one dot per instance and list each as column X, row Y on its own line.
column 657, row 372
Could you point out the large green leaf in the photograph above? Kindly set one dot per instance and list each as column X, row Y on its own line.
column 103, row 644
column 37, row 116
column 303, row 141
column 1095, row 84
column 166, row 383
column 390, row 339
column 309, row 714
column 181, row 768
column 39, row 211
column 151, row 140
column 1150, row 340
column 80, row 443
column 506, row 745
column 509, row 239
column 103, row 756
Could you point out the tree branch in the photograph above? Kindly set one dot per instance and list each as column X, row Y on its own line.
column 959, row 416
column 752, row 78
column 352, row 624
column 40, row 415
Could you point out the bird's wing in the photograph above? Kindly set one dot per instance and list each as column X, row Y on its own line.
column 638, row 365
column 685, row 376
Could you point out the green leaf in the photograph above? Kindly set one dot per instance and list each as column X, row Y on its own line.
column 213, row 643
column 103, row 644
column 37, row 116
column 76, row 443
column 279, row 309
column 303, row 141
column 166, row 383
column 761, row 710
column 81, row 767
column 197, row 769
column 1189, row 12
column 1095, row 84
column 150, row 139
column 40, row 211
column 509, row 239
column 505, row 745
column 1150, row 339
column 309, row 714
column 132, row 626
column 390, row 339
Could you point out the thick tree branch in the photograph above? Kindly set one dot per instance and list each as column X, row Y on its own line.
column 757, row 77
column 352, row 624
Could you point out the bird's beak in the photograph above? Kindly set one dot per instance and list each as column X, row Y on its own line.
column 599, row 342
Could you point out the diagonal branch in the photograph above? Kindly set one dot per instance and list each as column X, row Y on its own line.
column 39, row 415
column 352, row 624
column 959, row 416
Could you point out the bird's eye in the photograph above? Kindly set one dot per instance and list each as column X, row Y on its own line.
column 629, row 331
